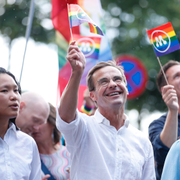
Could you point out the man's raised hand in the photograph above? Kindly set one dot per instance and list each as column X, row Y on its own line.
column 76, row 57
column 170, row 97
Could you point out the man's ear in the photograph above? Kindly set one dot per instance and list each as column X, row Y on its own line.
column 92, row 95
column 22, row 106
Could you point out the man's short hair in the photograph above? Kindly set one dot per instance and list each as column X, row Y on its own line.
column 90, row 82
column 160, row 81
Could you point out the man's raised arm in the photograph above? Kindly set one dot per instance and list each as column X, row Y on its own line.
column 170, row 131
column 69, row 98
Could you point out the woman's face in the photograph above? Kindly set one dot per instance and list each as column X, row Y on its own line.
column 9, row 97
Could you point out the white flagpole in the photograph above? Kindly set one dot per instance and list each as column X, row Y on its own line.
column 162, row 71
column 28, row 31
column 69, row 22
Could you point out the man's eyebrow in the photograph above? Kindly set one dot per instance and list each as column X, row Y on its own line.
column 117, row 76
column 104, row 78
column 176, row 74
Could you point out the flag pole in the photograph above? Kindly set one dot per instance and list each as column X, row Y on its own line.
column 69, row 22
column 28, row 31
column 162, row 71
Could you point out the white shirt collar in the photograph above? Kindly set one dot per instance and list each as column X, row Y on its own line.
column 12, row 127
column 100, row 119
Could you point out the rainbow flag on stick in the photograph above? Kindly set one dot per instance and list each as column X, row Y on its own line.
column 88, row 45
column 77, row 16
column 163, row 39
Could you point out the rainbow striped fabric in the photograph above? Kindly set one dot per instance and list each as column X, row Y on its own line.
column 94, row 29
column 77, row 16
column 88, row 45
column 163, row 39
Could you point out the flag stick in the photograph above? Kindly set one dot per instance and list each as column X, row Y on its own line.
column 162, row 70
column 28, row 31
column 69, row 22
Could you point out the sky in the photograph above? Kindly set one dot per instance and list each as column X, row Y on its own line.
column 40, row 70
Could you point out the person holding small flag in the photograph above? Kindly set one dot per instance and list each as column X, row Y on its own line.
column 164, row 131
column 103, row 146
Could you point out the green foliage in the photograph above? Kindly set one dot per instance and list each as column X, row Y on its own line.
column 14, row 17
column 129, row 19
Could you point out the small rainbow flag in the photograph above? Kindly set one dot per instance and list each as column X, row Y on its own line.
column 77, row 16
column 88, row 45
column 94, row 29
column 163, row 39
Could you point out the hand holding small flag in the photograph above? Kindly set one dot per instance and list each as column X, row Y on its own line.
column 76, row 57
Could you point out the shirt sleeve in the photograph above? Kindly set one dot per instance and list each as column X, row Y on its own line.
column 74, row 132
column 160, row 150
column 171, row 168
column 35, row 164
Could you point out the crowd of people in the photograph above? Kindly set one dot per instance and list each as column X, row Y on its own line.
column 100, row 143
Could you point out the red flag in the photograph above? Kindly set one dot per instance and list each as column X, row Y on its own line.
column 59, row 16
column 64, row 76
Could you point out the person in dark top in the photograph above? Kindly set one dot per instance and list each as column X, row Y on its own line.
column 164, row 131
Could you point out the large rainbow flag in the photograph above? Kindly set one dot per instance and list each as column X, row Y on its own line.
column 88, row 45
column 163, row 39
column 77, row 16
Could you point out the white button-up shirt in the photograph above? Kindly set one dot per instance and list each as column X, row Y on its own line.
column 19, row 156
column 100, row 152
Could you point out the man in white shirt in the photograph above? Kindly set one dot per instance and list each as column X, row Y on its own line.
column 103, row 146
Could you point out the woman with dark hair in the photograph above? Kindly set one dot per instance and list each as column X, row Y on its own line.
column 19, row 157
column 54, row 156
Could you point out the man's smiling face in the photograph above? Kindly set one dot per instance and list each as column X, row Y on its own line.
column 110, row 88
